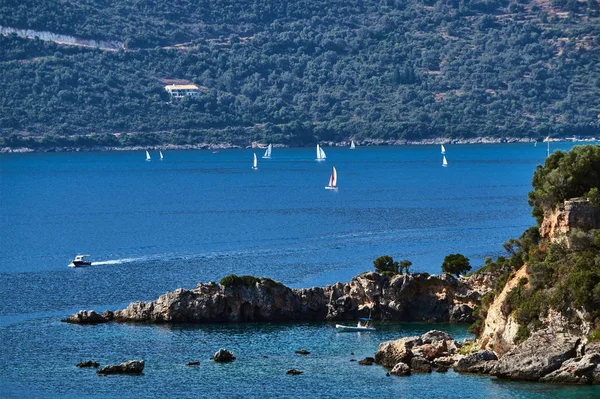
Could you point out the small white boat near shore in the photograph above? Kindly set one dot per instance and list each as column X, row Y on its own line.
column 364, row 324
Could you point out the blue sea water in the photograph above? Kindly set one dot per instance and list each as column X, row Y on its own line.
column 196, row 216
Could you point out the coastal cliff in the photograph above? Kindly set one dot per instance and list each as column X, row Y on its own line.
column 417, row 297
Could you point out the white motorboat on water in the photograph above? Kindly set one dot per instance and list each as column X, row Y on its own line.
column 80, row 260
column 364, row 324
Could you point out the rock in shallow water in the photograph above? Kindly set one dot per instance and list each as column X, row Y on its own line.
column 86, row 317
column 130, row 367
column 400, row 369
column 223, row 356
column 88, row 363
column 303, row 352
column 391, row 353
column 579, row 370
column 367, row 361
column 193, row 364
column 294, row 372
column 540, row 354
column 480, row 362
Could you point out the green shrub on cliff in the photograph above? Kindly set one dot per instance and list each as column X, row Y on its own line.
column 456, row 264
column 565, row 175
column 386, row 265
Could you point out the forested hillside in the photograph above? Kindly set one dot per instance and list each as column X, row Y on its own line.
column 295, row 72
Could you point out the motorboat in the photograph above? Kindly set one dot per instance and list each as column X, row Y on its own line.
column 364, row 324
column 80, row 260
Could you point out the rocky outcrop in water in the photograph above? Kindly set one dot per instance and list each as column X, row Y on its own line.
column 223, row 356
column 418, row 297
column 88, row 363
column 130, row 367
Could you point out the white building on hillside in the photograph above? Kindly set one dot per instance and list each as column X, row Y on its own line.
column 182, row 91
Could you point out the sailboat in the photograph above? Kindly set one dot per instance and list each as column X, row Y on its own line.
column 147, row 156
column 332, row 180
column 161, row 155
column 352, row 145
column 444, row 162
column 255, row 164
column 268, row 152
column 320, row 154
column 548, row 150
column 443, row 149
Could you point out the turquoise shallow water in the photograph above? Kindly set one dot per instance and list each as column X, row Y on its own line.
column 196, row 216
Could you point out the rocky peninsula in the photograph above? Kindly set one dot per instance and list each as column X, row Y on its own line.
column 405, row 297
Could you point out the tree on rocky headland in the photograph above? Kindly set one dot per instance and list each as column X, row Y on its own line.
column 456, row 264
column 563, row 176
column 386, row 265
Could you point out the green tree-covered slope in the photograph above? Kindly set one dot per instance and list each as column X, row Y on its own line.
column 299, row 71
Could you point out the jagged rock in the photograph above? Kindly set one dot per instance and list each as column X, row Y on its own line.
column 480, row 362
column 294, row 372
column 576, row 213
column 419, row 364
column 223, row 356
column 130, row 367
column 391, row 353
column 433, row 336
column 85, row 317
column 303, row 352
column 445, row 361
column 88, row 363
column 400, row 369
column 431, row 351
column 193, row 364
column 579, row 370
column 592, row 348
column 540, row 354
column 441, row 369
column 367, row 361
column 461, row 313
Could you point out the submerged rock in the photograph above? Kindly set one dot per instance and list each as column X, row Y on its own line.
column 88, row 363
column 419, row 364
column 303, row 352
column 86, row 317
column 130, row 367
column 193, row 364
column 367, row 361
column 294, row 372
column 223, row 356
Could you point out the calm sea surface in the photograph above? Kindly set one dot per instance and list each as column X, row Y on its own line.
column 196, row 216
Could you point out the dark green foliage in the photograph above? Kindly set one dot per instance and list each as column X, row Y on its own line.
column 405, row 266
column 522, row 334
column 565, row 175
column 386, row 265
column 298, row 71
column 456, row 264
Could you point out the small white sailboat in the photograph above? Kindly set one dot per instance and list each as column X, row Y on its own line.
column 161, row 155
column 364, row 324
column 268, row 152
column 548, row 149
column 147, row 156
column 444, row 162
column 443, row 149
column 255, row 164
column 352, row 145
column 332, row 180
column 320, row 154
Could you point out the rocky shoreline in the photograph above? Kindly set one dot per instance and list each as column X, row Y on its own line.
column 417, row 297
column 227, row 145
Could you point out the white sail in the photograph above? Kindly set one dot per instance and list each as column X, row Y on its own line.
column 161, row 155
column 320, row 153
column 352, row 145
column 443, row 149
column 147, row 156
column 255, row 165
column 268, row 152
column 444, row 162
column 332, row 180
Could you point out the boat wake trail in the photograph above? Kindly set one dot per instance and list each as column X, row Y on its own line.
column 117, row 261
